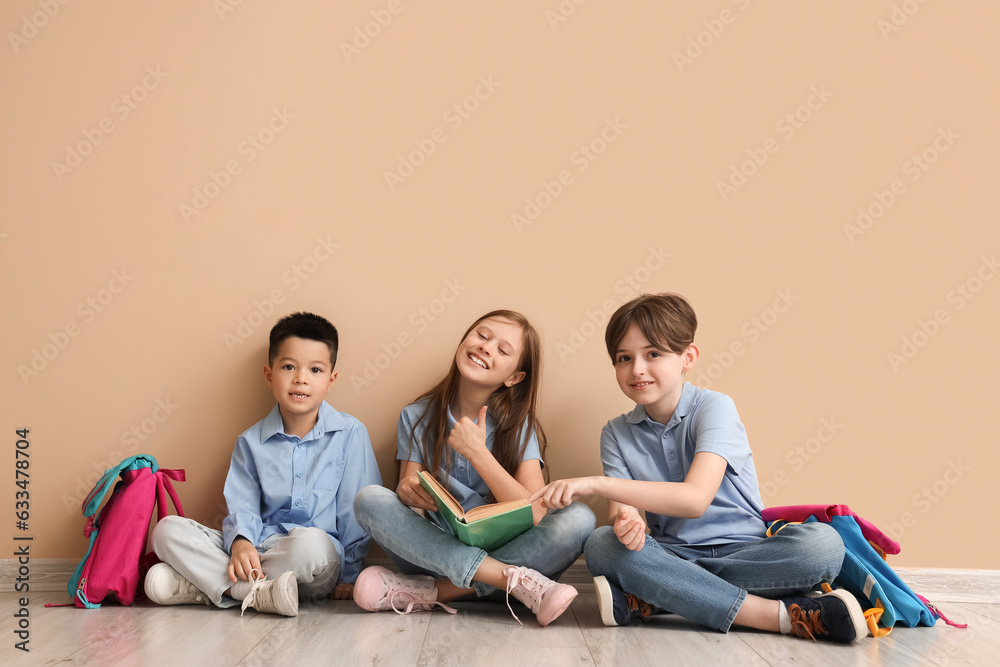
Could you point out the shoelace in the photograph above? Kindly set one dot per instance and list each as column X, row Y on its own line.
column 416, row 602
column 256, row 582
column 188, row 590
column 805, row 623
column 406, row 593
column 533, row 589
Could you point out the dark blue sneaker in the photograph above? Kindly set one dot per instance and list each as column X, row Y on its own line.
column 618, row 607
column 835, row 616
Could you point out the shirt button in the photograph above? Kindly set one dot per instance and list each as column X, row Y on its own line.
column 298, row 502
column 670, row 456
column 298, row 474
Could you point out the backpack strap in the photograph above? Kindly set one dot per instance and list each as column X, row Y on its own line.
column 165, row 487
column 937, row 613
column 107, row 481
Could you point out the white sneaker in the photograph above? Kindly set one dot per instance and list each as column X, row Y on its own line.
column 164, row 585
column 280, row 596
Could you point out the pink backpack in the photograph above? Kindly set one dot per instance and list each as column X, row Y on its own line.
column 118, row 536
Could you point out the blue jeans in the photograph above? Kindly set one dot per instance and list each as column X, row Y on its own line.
column 418, row 546
column 708, row 584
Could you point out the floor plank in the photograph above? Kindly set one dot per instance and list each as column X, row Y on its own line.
column 483, row 633
column 665, row 636
column 339, row 632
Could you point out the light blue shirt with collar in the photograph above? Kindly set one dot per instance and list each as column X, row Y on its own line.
column 463, row 482
column 633, row 446
column 277, row 482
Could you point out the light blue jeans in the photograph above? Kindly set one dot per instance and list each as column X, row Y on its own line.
column 708, row 584
column 418, row 546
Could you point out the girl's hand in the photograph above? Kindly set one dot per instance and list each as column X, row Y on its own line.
column 629, row 528
column 342, row 591
column 413, row 495
column 564, row 491
column 468, row 438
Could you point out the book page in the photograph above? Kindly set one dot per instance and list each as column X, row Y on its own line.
column 484, row 511
column 443, row 494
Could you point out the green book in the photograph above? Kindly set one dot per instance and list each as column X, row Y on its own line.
column 487, row 526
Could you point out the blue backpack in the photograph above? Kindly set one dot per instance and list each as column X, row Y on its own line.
column 886, row 599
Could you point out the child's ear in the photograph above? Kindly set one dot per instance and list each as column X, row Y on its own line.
column 333, row 378
column 515, row 378
column 267, row 375
column 689, row 357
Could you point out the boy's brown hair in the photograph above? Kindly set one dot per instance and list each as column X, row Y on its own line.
column 667, row 320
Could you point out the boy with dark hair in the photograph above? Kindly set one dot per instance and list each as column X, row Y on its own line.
column 681, row 464
column 290, row 490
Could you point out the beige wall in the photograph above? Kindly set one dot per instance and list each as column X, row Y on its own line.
column 176, row 175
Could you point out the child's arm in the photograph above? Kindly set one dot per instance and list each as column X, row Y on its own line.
column 688, row 499
column 469, row 440
column 243, row 526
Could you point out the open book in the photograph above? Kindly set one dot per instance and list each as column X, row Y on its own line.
column 487, row 526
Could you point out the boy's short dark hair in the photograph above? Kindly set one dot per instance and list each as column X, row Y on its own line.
column 667, row 320
column 303, row 325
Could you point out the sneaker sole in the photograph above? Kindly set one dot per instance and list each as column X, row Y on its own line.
column 561, row 606
column 605, row 602
column 853, row 609
column 287, row 580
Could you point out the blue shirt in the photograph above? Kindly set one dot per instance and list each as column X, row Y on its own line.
column 633, row 446
column 277, row 482
column 463, row 482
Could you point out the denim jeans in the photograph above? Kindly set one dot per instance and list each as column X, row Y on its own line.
column 708, row 584
column 418, row 546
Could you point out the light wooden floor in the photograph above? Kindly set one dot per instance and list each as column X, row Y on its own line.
column 483, row 633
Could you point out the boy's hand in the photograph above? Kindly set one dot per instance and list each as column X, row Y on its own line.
column 343, row 591
column 413, row 495
column 468, row 438
column 244, row 559
column 564, row 491
column 629, row 528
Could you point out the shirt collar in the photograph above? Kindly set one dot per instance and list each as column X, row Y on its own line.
column 688, row 394
column 328, row 420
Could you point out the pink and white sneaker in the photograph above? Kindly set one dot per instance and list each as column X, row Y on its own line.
column 378, row 589
column 544, row 597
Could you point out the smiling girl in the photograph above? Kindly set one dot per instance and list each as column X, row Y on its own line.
column 476, row 431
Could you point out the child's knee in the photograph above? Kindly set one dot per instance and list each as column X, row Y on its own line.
column 599, row 546
column 314, row 545
column 580, row 521
column 168, row 530
column 368, row 500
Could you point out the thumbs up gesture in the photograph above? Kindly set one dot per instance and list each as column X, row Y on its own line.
column 468, row 438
